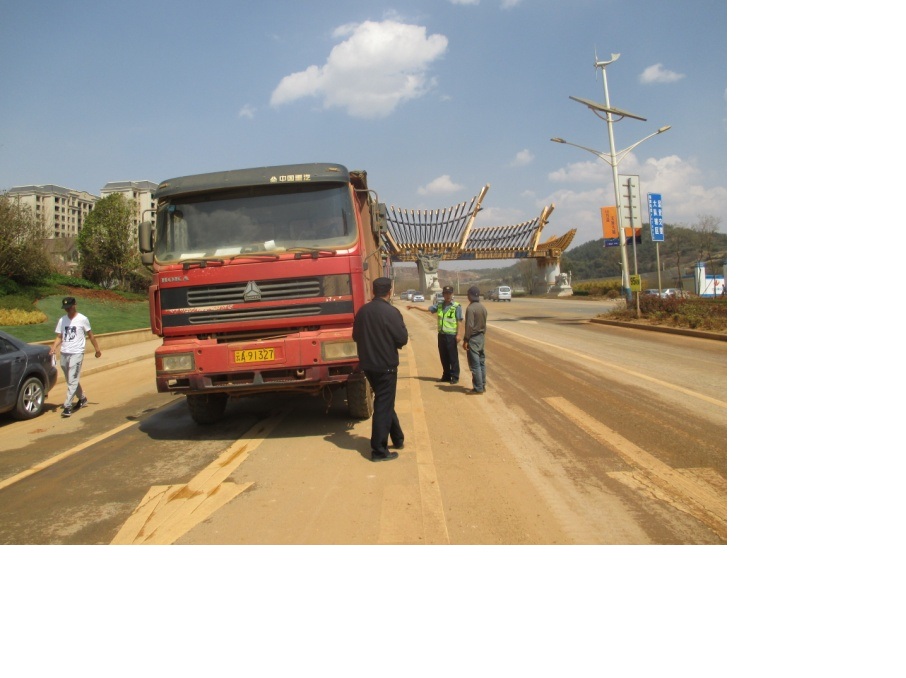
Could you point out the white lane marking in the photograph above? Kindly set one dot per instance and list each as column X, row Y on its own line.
column 612, row 366
column 700, row 500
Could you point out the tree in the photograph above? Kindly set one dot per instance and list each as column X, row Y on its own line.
column 107, row 250
column 526, row 272
column 707, row 231
column 22, row 254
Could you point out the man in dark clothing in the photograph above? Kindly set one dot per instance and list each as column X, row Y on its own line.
column 379, row 333
column 473, row 340
column 449, row 322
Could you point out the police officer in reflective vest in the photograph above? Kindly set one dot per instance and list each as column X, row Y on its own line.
column 449, row 333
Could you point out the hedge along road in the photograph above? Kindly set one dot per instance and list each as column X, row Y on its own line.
column 563, row 448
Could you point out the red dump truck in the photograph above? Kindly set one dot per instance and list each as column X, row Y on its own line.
column 258, row 274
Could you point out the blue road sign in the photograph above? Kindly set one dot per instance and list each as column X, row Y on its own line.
column 656, row 217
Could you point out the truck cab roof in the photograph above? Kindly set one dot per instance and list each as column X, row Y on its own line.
column 261, row 176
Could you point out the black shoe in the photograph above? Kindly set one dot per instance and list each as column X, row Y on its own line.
column 454, row 381
column 384, row 457
column 83, row 402
column 443, row 379
column 476, row 391
column 67, row 411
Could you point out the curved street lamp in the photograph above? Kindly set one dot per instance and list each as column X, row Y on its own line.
column 614, row 159
column 619, row 155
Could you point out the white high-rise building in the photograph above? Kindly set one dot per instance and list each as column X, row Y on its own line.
column 141, row 192
column 61, row 210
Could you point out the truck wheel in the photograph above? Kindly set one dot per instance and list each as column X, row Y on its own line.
column 208, row 408
column 359, row 398
column 30, row 400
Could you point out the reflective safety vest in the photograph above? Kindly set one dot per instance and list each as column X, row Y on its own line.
column 446, row 318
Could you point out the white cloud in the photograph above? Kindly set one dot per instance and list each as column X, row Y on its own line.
column 247, row 111
column 378, row 66
column 500, row 216
column 588, row 186
column 657, row 74
column 523, row 158
column 509, row 4
column 464, row 2
column 440, row 186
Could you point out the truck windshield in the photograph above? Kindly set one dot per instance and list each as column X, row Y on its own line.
column 256, row 220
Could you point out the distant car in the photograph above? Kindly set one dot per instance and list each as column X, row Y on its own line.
column 675, row 292
column 418, row 296
column 27, row 373
column 502, row 293
column 652, row 293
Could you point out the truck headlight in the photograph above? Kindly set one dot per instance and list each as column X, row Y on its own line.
column 177, row 362
column 338, row 350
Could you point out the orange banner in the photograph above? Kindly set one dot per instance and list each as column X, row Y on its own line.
column 609, row 221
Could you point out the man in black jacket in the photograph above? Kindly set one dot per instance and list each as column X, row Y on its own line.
column 379, row 333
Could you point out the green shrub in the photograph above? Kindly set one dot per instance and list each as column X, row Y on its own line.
column 17, row 302
column 8, row 286
column 694, row 312
column 598, row 288
column 69, row 281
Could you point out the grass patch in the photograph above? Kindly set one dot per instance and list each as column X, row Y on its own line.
column 106, row 310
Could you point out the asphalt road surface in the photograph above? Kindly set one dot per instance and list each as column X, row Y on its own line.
column 587, row 434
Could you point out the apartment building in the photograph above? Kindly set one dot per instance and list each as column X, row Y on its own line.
column 139, row 191
column 61, row 210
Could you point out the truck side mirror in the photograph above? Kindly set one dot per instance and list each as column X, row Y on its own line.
column 146, row 242
column 145, row 237
column 379, row 218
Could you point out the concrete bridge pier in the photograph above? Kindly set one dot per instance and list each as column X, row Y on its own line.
column 427, row 265
column 556, row 282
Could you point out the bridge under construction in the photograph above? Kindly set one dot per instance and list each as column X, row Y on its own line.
column 428, row 237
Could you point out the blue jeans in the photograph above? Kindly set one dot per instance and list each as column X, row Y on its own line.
column 476, row 361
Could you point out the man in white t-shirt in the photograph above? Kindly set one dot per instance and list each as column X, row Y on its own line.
column 72, row 329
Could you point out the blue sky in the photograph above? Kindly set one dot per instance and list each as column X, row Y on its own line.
column 434, row 99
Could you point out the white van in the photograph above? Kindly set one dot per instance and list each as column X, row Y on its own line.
column 502, row 293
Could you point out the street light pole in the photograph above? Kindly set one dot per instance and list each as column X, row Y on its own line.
column 614, row 161
column 627, row 293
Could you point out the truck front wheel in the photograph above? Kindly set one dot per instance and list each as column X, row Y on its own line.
column 359, row 397
column 208, row 408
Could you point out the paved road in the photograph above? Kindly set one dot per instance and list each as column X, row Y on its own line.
column 588, row 434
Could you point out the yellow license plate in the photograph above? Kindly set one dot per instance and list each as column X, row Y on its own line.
column 254, row 355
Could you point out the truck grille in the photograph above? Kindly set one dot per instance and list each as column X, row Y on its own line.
column 272, row 290
column 256, row 301
column 254, row 314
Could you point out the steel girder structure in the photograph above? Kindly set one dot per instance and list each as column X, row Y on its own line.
column 449, row 234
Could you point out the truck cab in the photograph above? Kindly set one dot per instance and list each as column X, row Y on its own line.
column 258, row 274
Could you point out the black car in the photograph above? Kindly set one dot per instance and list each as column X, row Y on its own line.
column 27, row 373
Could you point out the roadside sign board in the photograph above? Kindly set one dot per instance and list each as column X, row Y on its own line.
column 609, row 222
column 635, row 283
column 656, row 217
